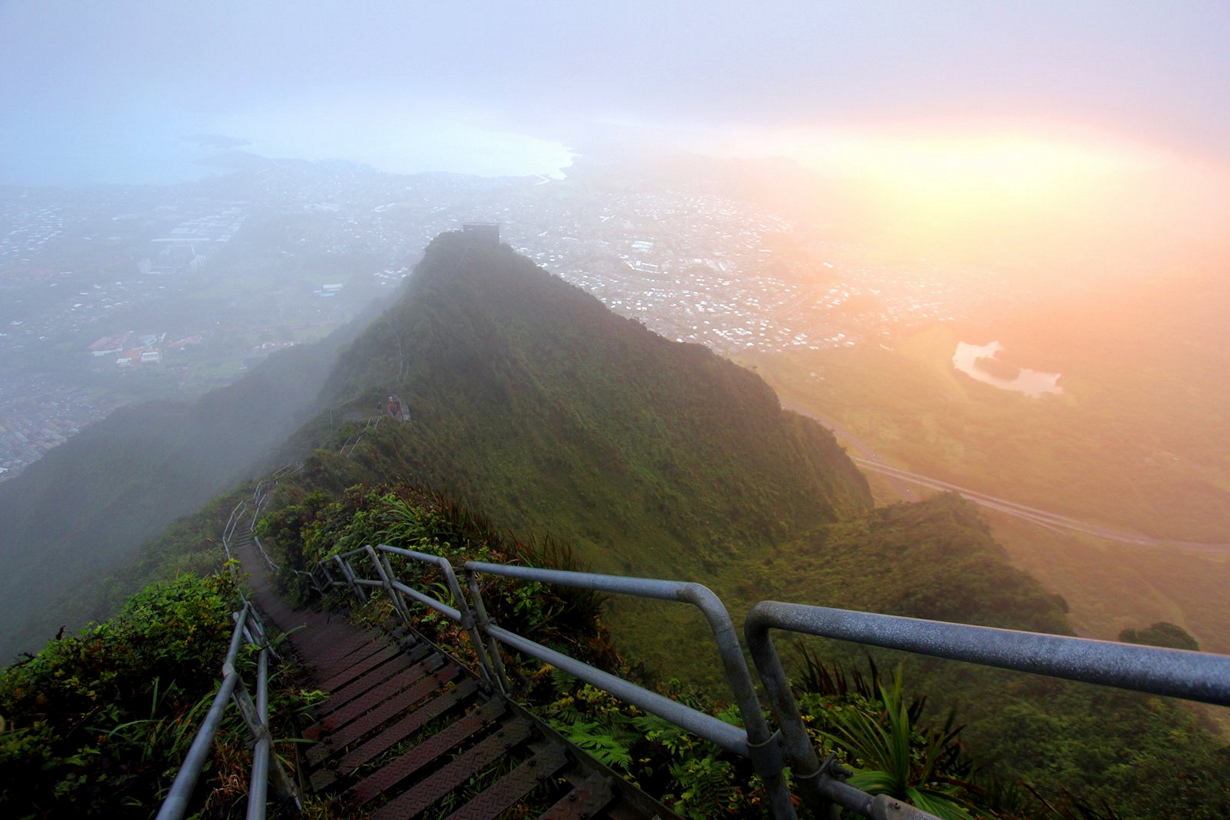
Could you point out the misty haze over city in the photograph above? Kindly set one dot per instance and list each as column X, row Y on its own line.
column 984, row 244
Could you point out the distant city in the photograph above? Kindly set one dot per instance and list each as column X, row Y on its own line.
column 116, row 294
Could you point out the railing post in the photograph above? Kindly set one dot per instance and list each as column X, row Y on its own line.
column 176, row 802
column 470, row 625
column 349, row 576
column 399, row 600
column 764, row 747
column 482, row 625
column 799, row 750
column 385, row 580
column 260, row 752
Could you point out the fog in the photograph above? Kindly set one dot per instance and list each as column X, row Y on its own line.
column 838, row 194
column 983, row 243
column 86, row 85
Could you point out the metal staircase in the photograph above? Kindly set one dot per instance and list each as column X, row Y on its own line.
column 409, row 731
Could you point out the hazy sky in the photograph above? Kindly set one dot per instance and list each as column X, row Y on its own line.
column 104, row 91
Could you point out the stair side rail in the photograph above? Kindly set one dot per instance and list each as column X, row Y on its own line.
column 756, row 741
column 1198, row 676
column 398, row 591
column 255, row 715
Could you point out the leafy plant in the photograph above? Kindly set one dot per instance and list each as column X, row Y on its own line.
column 893, row 756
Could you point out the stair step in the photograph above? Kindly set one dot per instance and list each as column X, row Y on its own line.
column 346, row 712
column 342, row 673
column 586, row 800
column 514, row 786
column 348, row 692
column 401, row 730
column 426, row 752
column 385, row 689
column 458, row 771
column 391, row 708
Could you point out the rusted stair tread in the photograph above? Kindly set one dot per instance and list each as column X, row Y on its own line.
column 313, row 634
column 331, row 670
column 387, row 710
column 346, row 712
column 473, row 761
column 585, row 800
column 342, row 673
column 335, row 673
column 330, row 719
column 326, row 776
column 402, row 662
column 337, row 650
column 314, row 628
column 408, row 725
column 389, row 776
column 513, row 786
column 327, row 663
column 429, row 750
column 317, row 636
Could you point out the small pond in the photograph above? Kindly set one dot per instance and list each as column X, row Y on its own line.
column 979, row 362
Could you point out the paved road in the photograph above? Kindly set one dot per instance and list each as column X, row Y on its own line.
column 904, row 481
column 1046, row 519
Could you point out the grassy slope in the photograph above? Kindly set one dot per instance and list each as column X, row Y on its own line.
column 1063, row 454
column 538, row 406
column 532, row 402
column 549, row 414
column 525, row 389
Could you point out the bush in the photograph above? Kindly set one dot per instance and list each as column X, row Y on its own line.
column 98, row 723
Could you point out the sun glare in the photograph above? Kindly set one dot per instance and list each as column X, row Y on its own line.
column 1001, row 194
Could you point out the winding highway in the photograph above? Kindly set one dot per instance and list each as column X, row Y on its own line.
column 904, row 481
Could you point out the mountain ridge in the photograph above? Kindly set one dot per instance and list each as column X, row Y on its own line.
column 499, row 354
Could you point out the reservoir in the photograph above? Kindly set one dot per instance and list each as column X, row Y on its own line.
column 1030, row 382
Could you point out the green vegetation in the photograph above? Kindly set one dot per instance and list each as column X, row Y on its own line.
column 1106, row 451
column 934, row 559
column 530, row 402
column 98, row 723
column 529, row 399
column 316, row 527
column 1161, row 634
column 1057, row 740
column 695, row 778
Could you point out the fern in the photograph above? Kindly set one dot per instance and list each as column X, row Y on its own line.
column 595, row 739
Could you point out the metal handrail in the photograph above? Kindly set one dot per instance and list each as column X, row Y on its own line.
column 248, row 626
column 176, row 802
column 255, row 715
column 755, row 741
column 1178, row 673
column 1192, row 675
column 398, row 591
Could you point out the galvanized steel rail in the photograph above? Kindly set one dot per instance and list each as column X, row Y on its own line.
column 247, row 624
column 755, row 742
column 1176, row 673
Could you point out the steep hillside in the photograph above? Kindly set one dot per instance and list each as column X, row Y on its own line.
column 529, row 398
column 534, row 406
column 89, row 504
column 531, row 402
